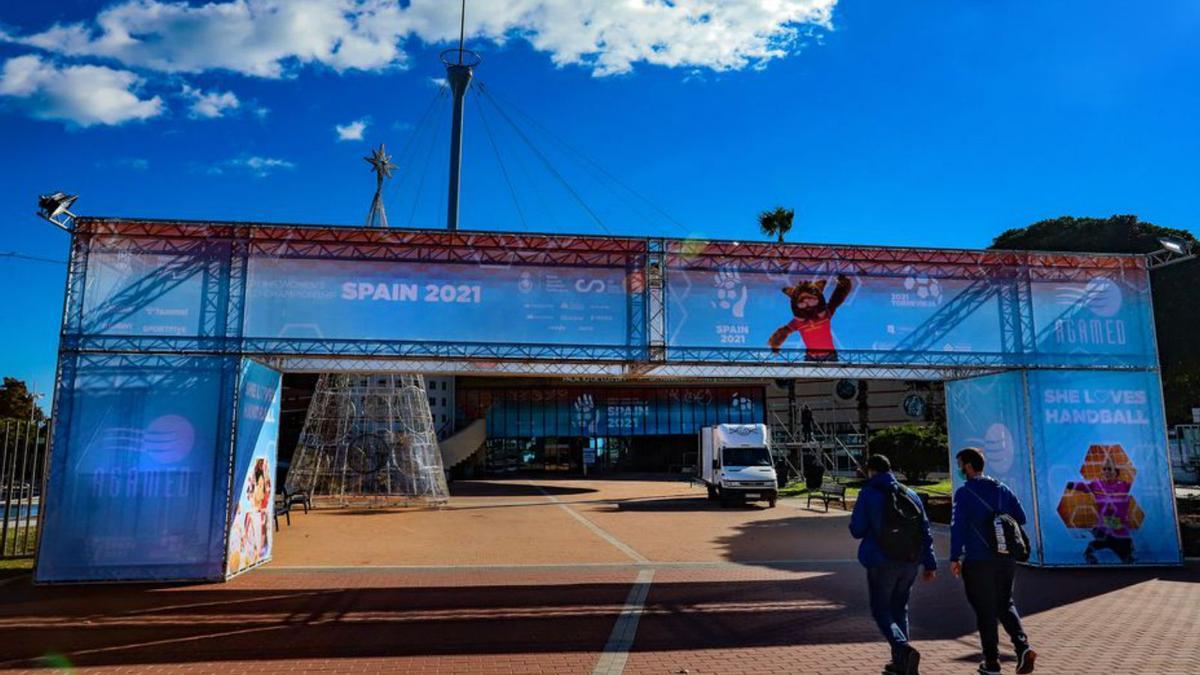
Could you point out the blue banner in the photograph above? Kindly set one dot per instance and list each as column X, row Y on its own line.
column 921, row 316
column 823, row 315
column 991, row 413
column 603, row 411
column 137, row 490
column 252, row 504
column 1103, row 472
column 451, row 302
column 148, row 295
column 1107, row 315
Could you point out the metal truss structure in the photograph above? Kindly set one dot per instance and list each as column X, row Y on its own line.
column 216, row 257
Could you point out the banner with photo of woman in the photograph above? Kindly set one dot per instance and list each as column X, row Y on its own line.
column 252, row 507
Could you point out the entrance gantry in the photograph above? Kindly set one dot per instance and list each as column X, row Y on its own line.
column 175, row 334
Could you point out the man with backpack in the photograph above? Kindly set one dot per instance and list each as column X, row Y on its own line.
column 986, row 543
column 891, row 522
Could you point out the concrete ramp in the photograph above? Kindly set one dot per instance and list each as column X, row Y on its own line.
column 463, row 444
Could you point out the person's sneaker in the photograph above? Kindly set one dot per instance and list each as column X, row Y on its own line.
column 986, row 668
column 1025, row 661
column 912, row 661
column 892, row 669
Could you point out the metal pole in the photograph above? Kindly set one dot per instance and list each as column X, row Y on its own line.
column 459, row 77
column 7, row 484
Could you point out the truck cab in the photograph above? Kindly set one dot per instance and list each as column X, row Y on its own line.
column 736, row 463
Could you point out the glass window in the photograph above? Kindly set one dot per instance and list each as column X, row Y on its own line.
column 745, row 457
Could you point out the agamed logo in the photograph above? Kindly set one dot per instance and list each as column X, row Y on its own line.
column 1089, row 314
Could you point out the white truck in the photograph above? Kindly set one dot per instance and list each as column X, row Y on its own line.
column 736, row 463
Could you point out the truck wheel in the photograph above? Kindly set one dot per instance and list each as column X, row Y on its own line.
column 712, row 493
column 726, row 502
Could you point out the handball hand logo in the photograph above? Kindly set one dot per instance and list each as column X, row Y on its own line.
column 741, row 403
column 584, row 411
column 731, row 292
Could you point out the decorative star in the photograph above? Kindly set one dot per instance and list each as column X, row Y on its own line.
column 381, row 162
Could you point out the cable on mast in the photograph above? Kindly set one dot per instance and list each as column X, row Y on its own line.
column 546, row 162
column 500, row 160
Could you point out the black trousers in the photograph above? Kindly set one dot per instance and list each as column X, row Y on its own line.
column 989, row 586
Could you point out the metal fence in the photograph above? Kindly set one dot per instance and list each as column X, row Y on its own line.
column 22, row 479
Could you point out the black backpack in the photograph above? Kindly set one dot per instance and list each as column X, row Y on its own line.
column 1005, row 537
column 903, row 534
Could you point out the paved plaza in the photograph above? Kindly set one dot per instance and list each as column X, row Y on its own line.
column 577, row 576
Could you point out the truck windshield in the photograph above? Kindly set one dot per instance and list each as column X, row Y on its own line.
column 745, row 457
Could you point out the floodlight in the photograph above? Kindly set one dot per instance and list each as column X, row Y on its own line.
column 1174, row 245
column 55, row 209
column 1174, row 250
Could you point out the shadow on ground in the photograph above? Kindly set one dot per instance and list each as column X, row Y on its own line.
column 821, row 604
column 679, row 504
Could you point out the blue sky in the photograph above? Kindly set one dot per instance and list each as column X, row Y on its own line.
column 939, row 123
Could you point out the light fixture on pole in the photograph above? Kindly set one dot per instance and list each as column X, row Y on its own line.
column 1174, row 250
column 55, row 209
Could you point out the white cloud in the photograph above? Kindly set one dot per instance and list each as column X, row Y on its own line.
column 211, row 104
column 270, row 38
column 80, row 95
column 352, row 131
column 439, row 82
column 260, row 167
column 254, row 37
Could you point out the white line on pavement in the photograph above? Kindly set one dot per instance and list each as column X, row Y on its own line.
column 616, row 651
column 596, row 529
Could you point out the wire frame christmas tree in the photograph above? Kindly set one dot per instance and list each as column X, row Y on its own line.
column 369, row 440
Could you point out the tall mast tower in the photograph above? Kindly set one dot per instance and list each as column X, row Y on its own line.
column 460, row 66
column 381, row 165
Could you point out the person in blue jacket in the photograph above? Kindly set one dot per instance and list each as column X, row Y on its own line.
column 987, row 578
column 889, row 582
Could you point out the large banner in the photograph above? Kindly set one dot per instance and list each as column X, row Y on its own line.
column 991, row 413
column 252, row 504
column 144, row 294
column 580, row 411
column 441, row 302
column 137, row 490
column 914, row 317
column 825, row 315
column 1103, row 472
column 1105, row 315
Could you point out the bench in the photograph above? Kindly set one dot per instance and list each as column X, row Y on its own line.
column 300, row 497
column 284, row 502
column 829, row 492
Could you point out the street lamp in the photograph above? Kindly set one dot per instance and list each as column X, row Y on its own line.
column 1174, row 250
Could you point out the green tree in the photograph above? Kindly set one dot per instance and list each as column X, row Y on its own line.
column 914, row 450
column 17, row 402
column 1176, row 311
column 776, row 222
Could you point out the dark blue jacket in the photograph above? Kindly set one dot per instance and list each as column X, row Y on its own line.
column 867, row 522
column 974, row 504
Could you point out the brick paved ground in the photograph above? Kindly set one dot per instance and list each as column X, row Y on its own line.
column 532, row 577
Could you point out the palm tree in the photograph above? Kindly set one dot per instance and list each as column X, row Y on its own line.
column 777, row 222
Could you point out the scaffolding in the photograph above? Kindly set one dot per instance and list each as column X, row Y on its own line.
column 369, row 440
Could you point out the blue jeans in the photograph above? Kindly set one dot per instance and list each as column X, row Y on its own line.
column 889, row 585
